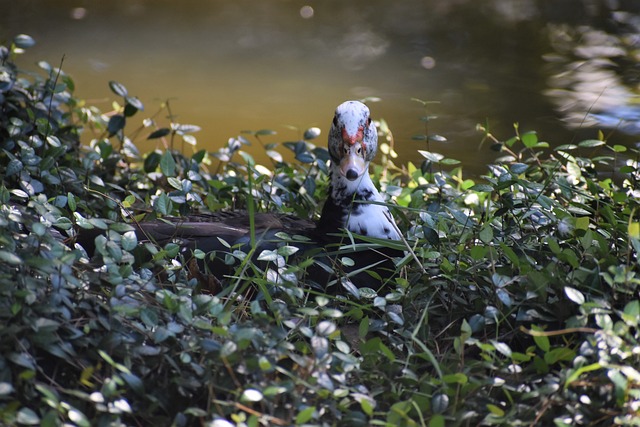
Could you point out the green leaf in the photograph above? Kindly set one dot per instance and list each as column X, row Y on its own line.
column 172, row 249
column 247, row 158
column 508, row 251
column 519, row 168
column 22, row 359
column 482, row 188
column 13, row 167
column 486, row 235
column 129, row 241
column 228, row 348
column 121, row 227
column 584, row 369
column 375, row 345
column 529, row 139
column 437, row 138
column 566, row 147
column 129, row 201
column 199, row 156
column 185, row 129
column 631, row 313
column 287, row 250
column 44, row 126
column 305, row 415
column 366, row 406
column 78, row 417
column 574, row 295
column 168, row 164
column 619, row 148
column 461, row 217
column 265, row 364
column 562, row 354
column 19, row 193
column 133, row 105
column 251, row 395
column 134, row 382
column 175, row 183
column 118, row 89
column 28, row 417
column 268, row 255
column 448, row 161
column 98, row 223
column 433, row 157
column 152, row 161
column 312, row 133
column 502, row 348
column 582, row 223
column 541, row 341
column 346, row 261
column 439, row 403
column 590, row 143
column 574, row 169
column 10, row 258
column 553, row 245
column 159, row 133
column 437, row 420
column 162, row 204
column 478, row 252
column 6, row 389
column 465, row 330
column 363, row 328
column 495, row 410
column 457, row 378
column 23, row 41
column 116, row 124
column 71, row 201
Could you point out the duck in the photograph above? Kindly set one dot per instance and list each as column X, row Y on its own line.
column 353, row 203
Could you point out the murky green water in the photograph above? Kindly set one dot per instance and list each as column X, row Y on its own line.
column 234, row 65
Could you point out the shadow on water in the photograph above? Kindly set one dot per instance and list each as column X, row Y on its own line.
column 564, row 68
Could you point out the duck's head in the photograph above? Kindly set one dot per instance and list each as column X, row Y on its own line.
column 353, row 140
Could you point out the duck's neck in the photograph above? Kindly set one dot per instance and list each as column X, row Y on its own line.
column 351, row 205
column 345, row 192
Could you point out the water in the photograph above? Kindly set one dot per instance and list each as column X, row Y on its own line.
column 229, row 66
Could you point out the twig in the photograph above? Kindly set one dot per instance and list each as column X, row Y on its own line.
column 558, row 332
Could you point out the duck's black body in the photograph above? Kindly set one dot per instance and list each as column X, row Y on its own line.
column 321, row 241
column 206, row 231
column 351, row 204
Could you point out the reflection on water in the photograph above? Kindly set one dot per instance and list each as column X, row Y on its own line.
column 596, row 75
column 234, row 65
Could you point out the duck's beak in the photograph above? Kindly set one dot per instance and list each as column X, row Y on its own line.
column 352, row 164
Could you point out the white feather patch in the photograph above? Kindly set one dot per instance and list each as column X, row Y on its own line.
column 374, row 221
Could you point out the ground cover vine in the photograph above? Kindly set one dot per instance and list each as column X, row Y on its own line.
column 522, row 310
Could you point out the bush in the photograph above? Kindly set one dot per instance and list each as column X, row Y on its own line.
column 520, row 307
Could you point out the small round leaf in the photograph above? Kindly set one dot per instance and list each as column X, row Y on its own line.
column 118, row 89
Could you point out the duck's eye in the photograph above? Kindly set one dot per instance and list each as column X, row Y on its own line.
column 359, row 150
column 345, row 149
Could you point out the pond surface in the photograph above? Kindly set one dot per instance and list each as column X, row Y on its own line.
column 562, row 68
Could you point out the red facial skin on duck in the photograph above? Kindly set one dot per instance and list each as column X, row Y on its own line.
column 353, row 139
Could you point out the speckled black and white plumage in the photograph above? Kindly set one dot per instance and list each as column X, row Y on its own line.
column 353, row 142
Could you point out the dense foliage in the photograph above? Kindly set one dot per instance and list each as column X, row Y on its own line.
column 522, row 306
